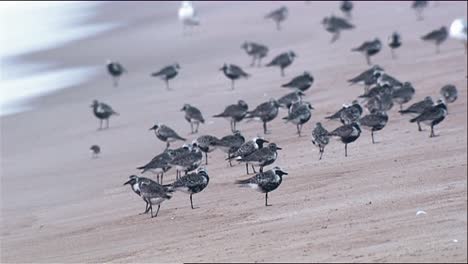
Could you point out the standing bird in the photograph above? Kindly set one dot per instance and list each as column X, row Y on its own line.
column 278, row 16
column 207, row 144
column 167, row 73
column 394, row 42
column 231, row 143
column 188, row 15
column 103, row 112
column 437, row 36
column 351, row 114
column 335, row 25
column 301, row 82
column 300, row 115
column 261, row 157
column 265, row 112
column 166, row 134
column 235, row 113
column 256, row 51
column 449, row 93
column 368, row 77
column 347, row 134
column 116, row 70
column 419, row 6
column 246, row 149
column 265, row 182
column 95, row 150
column 374, row 122
column 418, row 108
column 432, row 116
column 193, row 116
column 159, row 165
column 191, row 183
column 404, row 94
column 458, row 30
column 187, row 161
column 320, row 138
column 346, row 7
column 134, row 182
column 233, row 72
column 369, row 48
column 287, row 100
column 283, row 60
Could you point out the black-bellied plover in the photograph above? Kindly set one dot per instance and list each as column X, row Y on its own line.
column 103, row 112
column 278, row 16
column 191, row 183
column 432, row 116
column 188, row 15
column 248, row 148
column 235, row 113
column 283, row 60
column 187, row 162
column 265, row 182
column 301, row 82
column 458, row 30
column 346, row 7
column 404, row 94
column 233, row 72
column 159, row 165
column 193, row 116
column 265, row 112
column 116, row 70
column 369, row 48
column 231, row 143
column 374, row 122
column 167, row 73
column 154, row 193
column 288, row 99
column 394, row 42
column 449, row 93
column 134, row 182
column 95, row 150
column 207, row 144
column 347, row 134
column 368, row 77
column 166, row 134
column 256, row 51
column 437, row 37
column 418, row 108
column 320, row 138
column 352, row 113
column 261, row 157
column 299, row 115
column 338, row 114
column 419, row 6
column 335, row 25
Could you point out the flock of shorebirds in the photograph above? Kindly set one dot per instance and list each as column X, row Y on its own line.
column 381, row 92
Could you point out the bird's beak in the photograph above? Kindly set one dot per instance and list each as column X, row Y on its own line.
column 284, row 173
column 151, row 128
column 127, row 182
column 278, row 148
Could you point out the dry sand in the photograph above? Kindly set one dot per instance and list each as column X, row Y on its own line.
column 58, row 205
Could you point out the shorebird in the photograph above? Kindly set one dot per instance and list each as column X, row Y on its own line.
column 300, row 115
column 191, row 183
column 369, row 48
column 233, row 72
column 283, row 60
column 368, row 77
column 265, row 182
column 432, row 116
column 335, row 25
column 386, row 79
column 374, row 122
column 419, row 6
column 449, row 93
column 235, row 113
column 394, row 42
column 248, row 148
column 320, row 138
column 159, row 165
column 187, row 162
column 166, row 134
column 351, row 114
column 103, row 112
column 188, row 15
column 287, row 100
column 116, row 70
column 231, row 143
column 261, row 157
column 95, row 150
column 278, row 16
column 347, row 134
column 418, row 108
column 134, row 184
column 256, row 51
column 404, row 94
column 207, row 144
column 193, row 116
column 301, row 82
column 437, row 36
column 167, row 73
column 265, row 112
column 346, row 7
column 458, row 30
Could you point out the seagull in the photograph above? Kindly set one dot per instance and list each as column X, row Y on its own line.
column 159, row 164
column 207, row 143
column 368, row 77
column 437, row 36
column 418, row 108
column 458, row 30
column 261, row 157
column 193, row 116
column 265, row 182
column 265, row 112
column 248, row 148
column 432, row 116
column 235, row 113
column 347, row 134
column 335, row 25
column 166, row 134
column 191, row 183
column 394, row 42
column 369, row 48
column 256, row 51
column 301, row 82
column 419, row 6
column 449, row 93
column 231, row 143
column 374, row 122
column 103, row 112
column 167, row 73
column 283, row 60
column 116, row 70
column 320, row 138
column 278, row 16
column 404, row 94
column 188, row 15
column 346, row 7
column 233, row 72
column 187, row 162
column 300, row 115
column 287, row 100
column 95, row 150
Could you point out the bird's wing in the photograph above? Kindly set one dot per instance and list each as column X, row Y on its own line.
column 342, row 131
column 430, row 114
column 236, row 70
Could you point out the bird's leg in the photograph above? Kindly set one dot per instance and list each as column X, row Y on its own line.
column 157, row 178
column 372, row 135
column 259, row 64
column 232, row 84
column 335, row 37
column 191, row 127
column 282, row 72
column 393, row 53
column 100, row 124
column 419, row 127
column 157, row 211
column 167, row 84
column 261, row 169
column 253, row 168
column 432, row 132
column 107, row 123
column 196, row 130
column 247, row 168
column 368, row 60
column 265, row 128
column 162, row 174
column 321, row 153
column 186, row 171
column 191, row 202
column 266, row 199
column 253, row 61
column 401, row 107
column 437, row 49
column 167, row 144
column 151, row 210
column 346, row 150
column 146, row 208
column 278, row 26
column 206, row 158
column 116, row 81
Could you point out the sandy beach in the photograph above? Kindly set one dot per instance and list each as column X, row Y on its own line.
column 59, row 205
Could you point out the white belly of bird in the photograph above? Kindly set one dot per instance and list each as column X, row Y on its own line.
column 156, row 201
column 186, row 13
column 253, row 186
column 156, row 171
column 355, row 132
